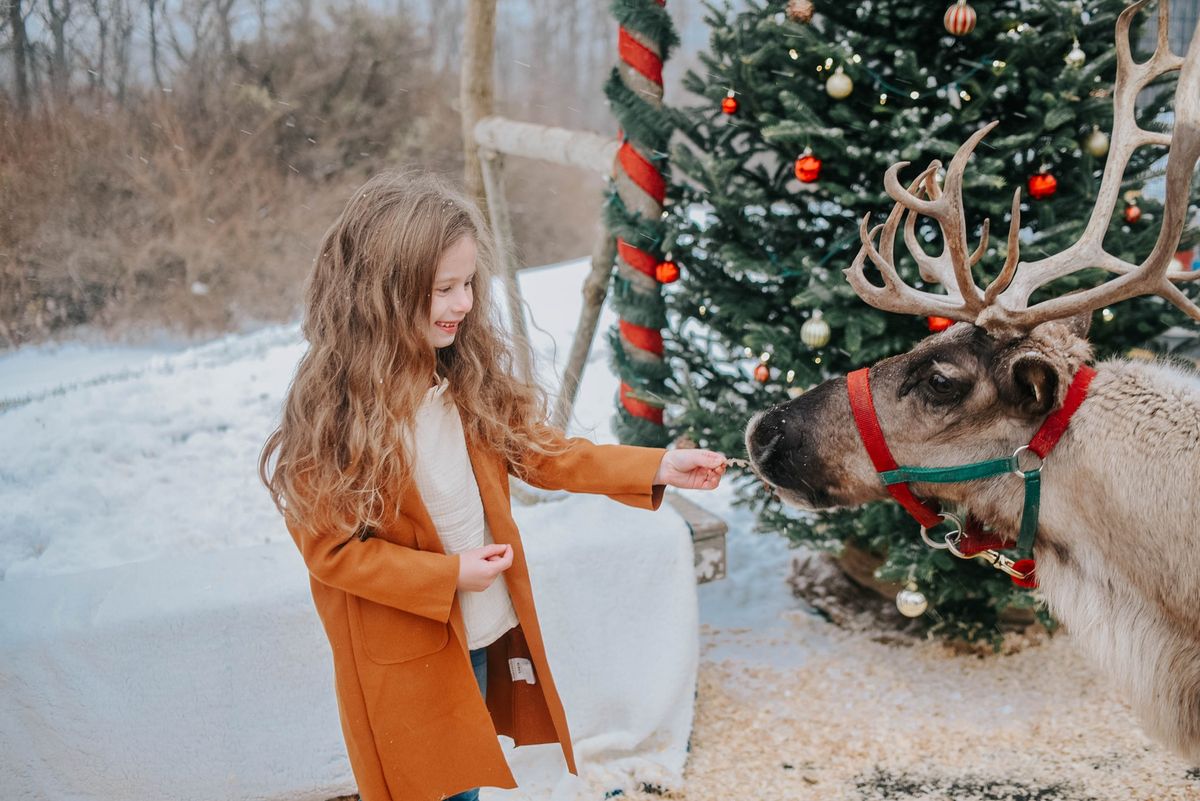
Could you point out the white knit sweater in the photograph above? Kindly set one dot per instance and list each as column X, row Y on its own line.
column 446, row 481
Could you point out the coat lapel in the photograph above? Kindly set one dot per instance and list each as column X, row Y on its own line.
column 414, row 509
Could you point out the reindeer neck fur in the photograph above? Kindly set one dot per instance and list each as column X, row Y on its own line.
column 1118, row 547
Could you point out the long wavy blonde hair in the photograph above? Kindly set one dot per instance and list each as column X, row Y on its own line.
column 337, row 463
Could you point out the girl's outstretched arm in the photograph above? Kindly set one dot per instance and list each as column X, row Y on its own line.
column 691, row 468
column 630, row 474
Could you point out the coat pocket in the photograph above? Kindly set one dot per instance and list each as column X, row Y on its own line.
column 389, row 635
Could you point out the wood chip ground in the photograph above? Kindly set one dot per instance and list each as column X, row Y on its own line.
column 860, row 720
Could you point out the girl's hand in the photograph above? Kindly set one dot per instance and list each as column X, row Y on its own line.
column 478, row 567
column 691, row 468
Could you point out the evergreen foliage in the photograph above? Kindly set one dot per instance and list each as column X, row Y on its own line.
column 760, row 251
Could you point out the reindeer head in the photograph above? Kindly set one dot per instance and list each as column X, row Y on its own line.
column 981, row 388
column 959, row 396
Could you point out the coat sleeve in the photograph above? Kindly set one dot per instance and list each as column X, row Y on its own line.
column 622, row 472
column 421, row 582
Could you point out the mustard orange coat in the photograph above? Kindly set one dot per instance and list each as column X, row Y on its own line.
column 415, row 725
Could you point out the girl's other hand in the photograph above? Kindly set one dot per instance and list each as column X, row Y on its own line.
column 478, row 567
column 691, row 468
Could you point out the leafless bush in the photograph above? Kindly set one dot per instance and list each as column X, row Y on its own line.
column 200, row 209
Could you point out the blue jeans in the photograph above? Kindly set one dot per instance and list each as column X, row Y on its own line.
column 479, row 664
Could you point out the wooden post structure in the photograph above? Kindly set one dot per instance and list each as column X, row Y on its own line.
column 476, row 91
column 491, row 166
column 595, row 290
column 496, row 137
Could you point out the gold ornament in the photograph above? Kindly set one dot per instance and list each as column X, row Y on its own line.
column 911, row 602
column 800, row 11
column 1096, row 143
column 815, row 332
column 839, row 86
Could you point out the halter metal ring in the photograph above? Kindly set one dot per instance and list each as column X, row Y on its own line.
column 1016, row 462
column 954, row 535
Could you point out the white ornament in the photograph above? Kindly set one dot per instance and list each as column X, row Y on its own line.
column 1076, row 57
column 911, row 602
column 839, row 86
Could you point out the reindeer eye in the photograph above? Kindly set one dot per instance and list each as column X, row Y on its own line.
column 940, row 385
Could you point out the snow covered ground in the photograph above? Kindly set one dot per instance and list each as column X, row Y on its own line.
column 114, row 456
column 117, row 456
column 122, row 454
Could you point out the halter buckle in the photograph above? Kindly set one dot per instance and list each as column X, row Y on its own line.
column 1016, row 463
column 953, row 536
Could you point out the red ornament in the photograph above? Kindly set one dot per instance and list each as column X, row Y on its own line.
column 666, row 272
column 762, row 373
column 729, row 105
column 1132, row 213
column 808, row 168
column 959, row 19
column 938, row 323
column 1042, row 185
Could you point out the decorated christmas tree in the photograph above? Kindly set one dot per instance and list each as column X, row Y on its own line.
column 805, row 106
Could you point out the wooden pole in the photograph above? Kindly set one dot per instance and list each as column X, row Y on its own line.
column 592, row 152
column 476, row 88
column 595, row 290
column 491, row 165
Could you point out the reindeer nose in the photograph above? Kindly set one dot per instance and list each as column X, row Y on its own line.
column 770, row 443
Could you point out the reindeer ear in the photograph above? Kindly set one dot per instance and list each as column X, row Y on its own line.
column 1030, row 384
column 1080, row 324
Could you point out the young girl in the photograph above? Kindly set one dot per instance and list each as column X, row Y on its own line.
column 391, row 467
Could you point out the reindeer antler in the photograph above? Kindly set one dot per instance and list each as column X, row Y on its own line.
column 1005, row 303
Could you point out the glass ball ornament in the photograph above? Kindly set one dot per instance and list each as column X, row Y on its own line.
column 1096, row 143
column 1042, row 185
column 808, row 168
column 1133, row 213
column 1076, row 57
column 666, row 272
column 911, row 602
column 800, row 11
column 762, row 373
column 839, row 86
column 815, row 332
column 959, row 19
column 729, row 105
column 936, row 323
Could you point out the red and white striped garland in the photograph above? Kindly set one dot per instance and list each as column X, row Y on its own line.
column 642, row 188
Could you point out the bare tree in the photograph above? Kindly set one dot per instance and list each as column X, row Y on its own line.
column 122, row 33
column 20, row 47
column 476, row 85
column 58, row 14
column 97, row 75
column 223, row 9
column 152, row 6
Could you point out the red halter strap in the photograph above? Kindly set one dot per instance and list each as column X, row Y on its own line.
column 974, row 538
column 872, row 438
column 1048, row 435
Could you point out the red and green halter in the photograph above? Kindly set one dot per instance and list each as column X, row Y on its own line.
column 971, row 540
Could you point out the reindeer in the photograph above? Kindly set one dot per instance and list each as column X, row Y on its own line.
column 1112, row 510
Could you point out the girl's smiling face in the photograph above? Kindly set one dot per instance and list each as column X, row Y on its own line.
column 451, row 297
